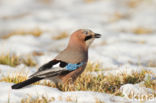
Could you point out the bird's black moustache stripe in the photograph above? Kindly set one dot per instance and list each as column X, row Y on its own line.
column 88, row 37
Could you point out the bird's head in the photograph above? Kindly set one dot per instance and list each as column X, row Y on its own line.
column 84, row 37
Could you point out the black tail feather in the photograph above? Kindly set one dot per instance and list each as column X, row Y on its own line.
column 25, row 83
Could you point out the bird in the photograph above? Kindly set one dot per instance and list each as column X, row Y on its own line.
column 68, row 64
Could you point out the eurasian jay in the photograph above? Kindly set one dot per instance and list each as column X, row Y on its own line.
column 69, row 64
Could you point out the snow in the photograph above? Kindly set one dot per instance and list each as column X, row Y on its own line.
column 136, row 91
column 34, row 91
column 119, row 50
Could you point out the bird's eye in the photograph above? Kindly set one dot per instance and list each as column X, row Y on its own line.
column 85, row 32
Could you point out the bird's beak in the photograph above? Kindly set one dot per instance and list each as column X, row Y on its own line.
column 97, row 35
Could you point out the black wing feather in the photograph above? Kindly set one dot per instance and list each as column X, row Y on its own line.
column 25, row 83
column 62, row 64
column 48, row 65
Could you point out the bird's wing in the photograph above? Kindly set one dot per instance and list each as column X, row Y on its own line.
column 55, row 67
column 49, row 65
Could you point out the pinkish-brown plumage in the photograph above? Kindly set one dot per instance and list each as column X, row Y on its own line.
column 71, row 62
column 76, row 50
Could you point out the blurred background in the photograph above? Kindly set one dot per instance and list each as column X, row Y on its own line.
column 105, row 16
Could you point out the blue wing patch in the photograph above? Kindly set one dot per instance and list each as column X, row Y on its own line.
column 71, row 67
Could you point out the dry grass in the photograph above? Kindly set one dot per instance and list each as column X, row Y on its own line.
column 41, row 99
column 93, row 67
column 90, row 1
column 88, row 82
column 101, row 83
column 69, row 99
column 151, row 63
column 17, row 16
column 118, row 16
column 35, row 32
column 28, row 61
column 37, row 53
column 60, row 36
column 142, row 30
column 150, row 83
column 13, row 60
column 98, row 101
column 134, row 3
column 19, row 77
column 16, row 78
column 46, row 1
column 139, row 31
column 9, row 60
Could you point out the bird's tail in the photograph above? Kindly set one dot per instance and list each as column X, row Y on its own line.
column 26, row 82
